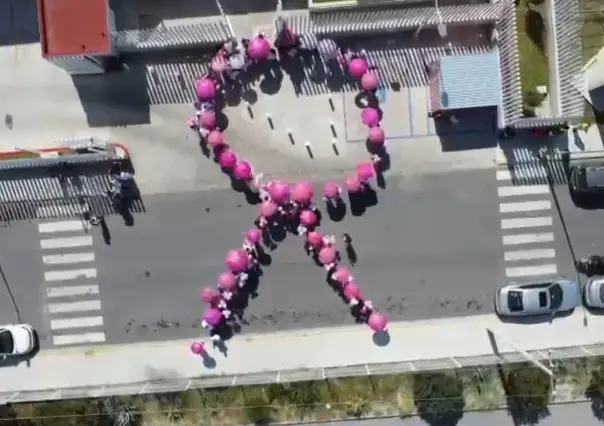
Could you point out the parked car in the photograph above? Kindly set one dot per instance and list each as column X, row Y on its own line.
column 593, row 293
column 537, row 298
column 587, row 180
column 17, row 340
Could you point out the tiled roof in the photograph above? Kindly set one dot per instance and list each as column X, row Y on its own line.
column 470, row 81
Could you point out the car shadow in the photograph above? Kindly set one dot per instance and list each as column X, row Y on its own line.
column 535, row 319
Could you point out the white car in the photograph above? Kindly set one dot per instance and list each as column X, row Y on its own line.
column 17, row 340
column 538, row 298
column 593, row 293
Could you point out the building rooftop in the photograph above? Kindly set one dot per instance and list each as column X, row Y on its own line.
column 470, row 81
column 73, row 27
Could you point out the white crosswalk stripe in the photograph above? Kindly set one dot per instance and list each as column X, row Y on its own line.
column 527, row 221
column 72, row 290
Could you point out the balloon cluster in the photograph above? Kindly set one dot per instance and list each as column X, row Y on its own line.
column 291, row 208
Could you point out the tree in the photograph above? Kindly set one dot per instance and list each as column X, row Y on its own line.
column 258, row 412
column 121, row 411
column 528, row 391
column 439, row 397
column 595, row 392
column 10, row 417
column 77, row 412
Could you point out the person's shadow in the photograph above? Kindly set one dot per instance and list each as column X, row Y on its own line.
column 351, row 254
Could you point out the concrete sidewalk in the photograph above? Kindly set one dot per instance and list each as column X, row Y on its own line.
column 291, row 356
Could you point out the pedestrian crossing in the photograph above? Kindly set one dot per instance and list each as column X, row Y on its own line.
column 71, row 283
column 527, row 226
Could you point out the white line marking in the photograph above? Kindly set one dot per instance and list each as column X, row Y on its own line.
column 74, row 339
column 55, row 243
column 85, row 322
column 513, row 256
column 531, row 271
column 512, row 240
column 70, row 274
column 526, row 222
column 63, row 226
column 504, row 175
column 513, row 191
column 63, row 259
column 70, row 291
column 61, row 308
column 525, row 206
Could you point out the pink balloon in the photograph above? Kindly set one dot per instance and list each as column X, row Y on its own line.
column 369, row 81
column 352, row 291
column 303, row 192
column 342, row 275
column 227, row 159
column 327, row 255
column 212, row 316
column 378, row 321
column 279, row 191
column 236, row 261
column 377, row 135
column 215, row 138
column 268, row 209
column 197, row 348
column 209, row 295
column 205, row 89
column 226, row 281
column 315, row 239
column 331, row 190
column 253, row 235
column 370, row 117
column 207, row 120
column 365, row 171
column 353, row 184
column 357, row 67
column 259, row 48
column 243, row 171
column 308, row 218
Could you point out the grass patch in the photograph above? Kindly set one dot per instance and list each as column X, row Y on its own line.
column 592, row 28
column 534, row 69
column 435, row 396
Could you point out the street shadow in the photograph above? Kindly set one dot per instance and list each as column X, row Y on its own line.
column 439, row 398
column 468, row 129
column 535, row 28
column 19, row 22
column 381, row 338
column 336, row 212
column 115, row 99
column 527, row 389
column 535, row 319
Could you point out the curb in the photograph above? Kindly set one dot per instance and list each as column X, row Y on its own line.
column 586, row 155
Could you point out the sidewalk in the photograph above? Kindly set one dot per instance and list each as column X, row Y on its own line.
column 290, row 356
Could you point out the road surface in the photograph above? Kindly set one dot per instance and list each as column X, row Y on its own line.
column 430, row 248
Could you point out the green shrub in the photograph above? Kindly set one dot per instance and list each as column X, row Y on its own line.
column 528, row 391
column 439, row 397
column 532, row 98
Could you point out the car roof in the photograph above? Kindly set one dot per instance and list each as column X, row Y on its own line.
column 530, row 299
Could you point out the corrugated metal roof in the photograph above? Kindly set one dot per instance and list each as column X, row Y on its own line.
column 73, row 27
column 470, row 81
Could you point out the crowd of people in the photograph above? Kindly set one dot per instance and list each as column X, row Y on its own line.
column 284, row 207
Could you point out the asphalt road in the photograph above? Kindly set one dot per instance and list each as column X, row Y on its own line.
column 21, row 275
column 559, row 415
column 430, row 248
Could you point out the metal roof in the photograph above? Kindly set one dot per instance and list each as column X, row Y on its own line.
column 470, row 81
column 73, row 27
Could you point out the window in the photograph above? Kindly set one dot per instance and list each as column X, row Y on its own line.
column 595, row 177
column 543, row 299
column 515, row 301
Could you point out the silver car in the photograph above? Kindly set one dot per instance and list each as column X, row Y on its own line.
column 593, row 293
column 537, row 298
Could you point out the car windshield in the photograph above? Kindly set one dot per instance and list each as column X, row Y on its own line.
column 7, row 344
column 594, row 177
column 555, row 295
column 515, row 301
column 602, row 293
